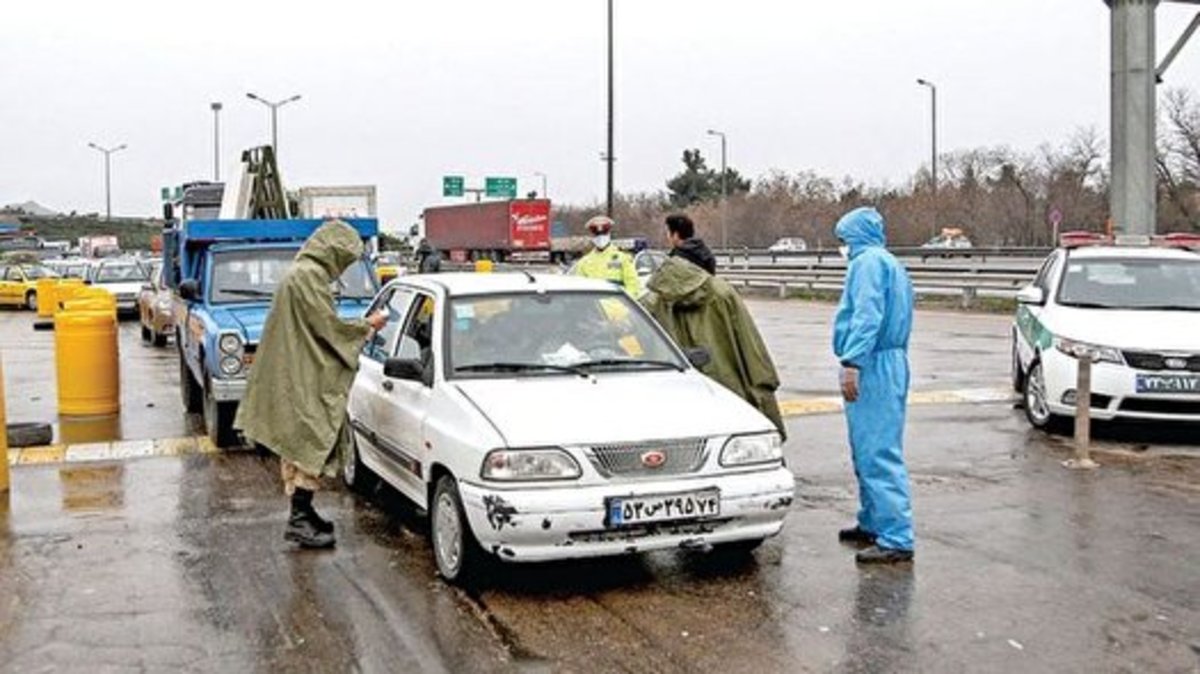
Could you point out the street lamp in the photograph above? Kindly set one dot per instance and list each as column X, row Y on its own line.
column 933, row 158
column 724, row 191
column 545, row 190
column 274, row 106
column 216, row 108
column 608, row 155
column 108, row 153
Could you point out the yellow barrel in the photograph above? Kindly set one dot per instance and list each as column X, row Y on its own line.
column 92, row 299
column 483, row 266
column 85, row 351
column 66, row 290
column 47, row 298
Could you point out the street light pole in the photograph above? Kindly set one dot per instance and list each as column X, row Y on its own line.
column 274, row 106
column 108, row 153
column 545, row 189
column 934, row 157
column 608, row 155
column 216, row 108
column 724, row 191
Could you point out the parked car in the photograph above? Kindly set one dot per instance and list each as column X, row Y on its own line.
column 788, row 244
column 539, row 417
column 69, row 268
column 951, row 238
column 156, row 308
column 1134, row 309
column 388, row 266
column 18, row 284
column 123, row 278
column 646, row 263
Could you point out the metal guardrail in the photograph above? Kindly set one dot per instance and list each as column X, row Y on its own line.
column 981, row 253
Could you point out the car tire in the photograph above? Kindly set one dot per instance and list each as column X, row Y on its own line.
column 31, row 302
column 456, row 552
column 739, row 548
column 1018, row 374
column 1037, row 410
column 218, row 421
column 146, row 335
column 160, row 340
column 355, row 474
column 193, row 395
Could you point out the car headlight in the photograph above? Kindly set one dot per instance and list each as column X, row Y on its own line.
column 1077, row 349
column 747, row 450
column 529, row 464
column 231, row 365
column 230, row 343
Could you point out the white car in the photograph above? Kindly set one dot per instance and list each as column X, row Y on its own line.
column 549, row 417
column 1136, row 310
column 123, row 278
column 788, row 245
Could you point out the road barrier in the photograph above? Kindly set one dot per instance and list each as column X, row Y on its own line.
column 47, row 297
column 3, row 438
column 86, row 355
column 66, row 290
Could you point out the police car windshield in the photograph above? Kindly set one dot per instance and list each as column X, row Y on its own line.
column 1133, row 283
column 552, row 333
column 251, row 275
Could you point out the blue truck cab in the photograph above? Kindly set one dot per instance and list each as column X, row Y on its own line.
column 224, row 274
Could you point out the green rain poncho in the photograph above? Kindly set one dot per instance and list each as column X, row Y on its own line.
column 701, row 310
column 295, row 401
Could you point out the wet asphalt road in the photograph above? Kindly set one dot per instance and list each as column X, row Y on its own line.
column 177, row 563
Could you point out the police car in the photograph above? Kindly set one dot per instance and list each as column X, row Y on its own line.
column 1131, row 304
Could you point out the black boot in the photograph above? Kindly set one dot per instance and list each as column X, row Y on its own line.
column 856, row 536
column 878, row 555
column 305, row 526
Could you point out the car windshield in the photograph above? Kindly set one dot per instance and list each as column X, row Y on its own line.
column 249, row 275
column 553, row 333
column 120, row 273
column 35, row 273
column 1134, row 283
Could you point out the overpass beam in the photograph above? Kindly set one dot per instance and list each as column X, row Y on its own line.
column 1133, row 194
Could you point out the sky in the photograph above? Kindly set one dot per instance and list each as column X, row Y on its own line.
column 400, row 94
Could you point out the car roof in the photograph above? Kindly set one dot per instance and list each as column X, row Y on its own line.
column 1131, row 252
column 499, row 283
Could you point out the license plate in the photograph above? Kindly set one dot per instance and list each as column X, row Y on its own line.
column 630, row 510
column 1168, row 383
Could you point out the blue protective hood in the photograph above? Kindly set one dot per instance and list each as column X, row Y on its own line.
column 860, row 229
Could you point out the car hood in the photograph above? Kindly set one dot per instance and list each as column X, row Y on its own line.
column 123, row 288
column 1137, row 330
column 251, row 317
column 610, row 408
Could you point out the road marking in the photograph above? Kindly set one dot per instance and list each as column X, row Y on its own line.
column 137, row 449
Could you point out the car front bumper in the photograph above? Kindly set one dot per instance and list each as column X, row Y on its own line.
column 1114, row 392
column 566, row 522
column 227, row 390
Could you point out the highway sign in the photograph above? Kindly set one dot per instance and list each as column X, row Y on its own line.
column 501, row 187
column 452, row 186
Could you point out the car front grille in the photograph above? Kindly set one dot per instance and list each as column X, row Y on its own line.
column 1145, row 360
column 1156, row 406
column 628, row 460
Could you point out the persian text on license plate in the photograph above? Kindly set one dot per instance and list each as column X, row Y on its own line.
column 630, row 510
column 1168, row 383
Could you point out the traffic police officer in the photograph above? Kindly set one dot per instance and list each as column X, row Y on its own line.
column 606, row 261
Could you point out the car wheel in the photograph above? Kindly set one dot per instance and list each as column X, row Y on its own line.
column 455, row 549
column 31, row 302
column 1018, row 374
column 193, row 395
column 218, row 421
column 357, row 476
column 1037, row 407
column 160, row 341
column 146, row 335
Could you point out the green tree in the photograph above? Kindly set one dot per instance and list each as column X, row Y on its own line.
column 697, row 182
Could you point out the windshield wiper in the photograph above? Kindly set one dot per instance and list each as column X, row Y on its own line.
column 1088, row 305
column 249, row 292
column 608, row 362
column 1164, row 307
column 519, row 367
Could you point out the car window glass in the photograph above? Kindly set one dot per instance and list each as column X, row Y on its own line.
column 397, row 302
column 1041, row 280
column 13, row 274
column 416, row 341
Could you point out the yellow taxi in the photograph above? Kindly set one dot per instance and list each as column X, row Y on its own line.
column 18, row 284
column 388, row 266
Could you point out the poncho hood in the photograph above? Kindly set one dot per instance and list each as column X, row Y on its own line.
column 860, row 229
column 681, row 283
column 334, row 246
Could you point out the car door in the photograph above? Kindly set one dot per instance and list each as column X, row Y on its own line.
column 1031, row 331
column 403, row 405
column 12, row 287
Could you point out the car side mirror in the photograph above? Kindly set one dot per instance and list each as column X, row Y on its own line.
column 1031, row 295
column 189, row 290
column 699, row 357
column 408, row 369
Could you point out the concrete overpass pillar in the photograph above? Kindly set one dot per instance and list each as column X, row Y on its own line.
column 1133, row 194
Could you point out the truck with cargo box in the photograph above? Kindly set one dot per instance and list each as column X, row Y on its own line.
column 490, row 230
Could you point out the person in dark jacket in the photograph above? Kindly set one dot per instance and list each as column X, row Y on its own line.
column 681, row 233
column 429, row 259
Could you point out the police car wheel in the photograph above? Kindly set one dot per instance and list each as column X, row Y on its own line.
column 1018, row 375
column 1037, row 408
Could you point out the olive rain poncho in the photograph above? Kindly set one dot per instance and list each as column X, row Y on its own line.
column 701, row 310
column 295, row 401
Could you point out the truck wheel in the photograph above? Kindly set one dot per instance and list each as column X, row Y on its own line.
column 218, row 421
column 455, row 550
column 193, row 395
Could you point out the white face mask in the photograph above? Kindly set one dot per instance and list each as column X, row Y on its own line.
column 601, row 241
column 844, row 251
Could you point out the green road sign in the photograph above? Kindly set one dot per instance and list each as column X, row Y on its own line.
column 452, row 186
column 501, row 187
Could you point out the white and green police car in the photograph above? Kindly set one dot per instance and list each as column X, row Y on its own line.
column 1134, row 307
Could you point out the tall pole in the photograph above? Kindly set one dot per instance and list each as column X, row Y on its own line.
column 216, row 108
column 1132, row 204
column 545, row 189
column 108, row 152
column 274, row 107
column 933, row 167
column 608, row 156
column 724, row 190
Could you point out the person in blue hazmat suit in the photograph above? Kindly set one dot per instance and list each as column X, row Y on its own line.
column 870, row 339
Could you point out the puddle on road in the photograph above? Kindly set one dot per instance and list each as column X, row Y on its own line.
column 92, row 488
column 83, row 430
